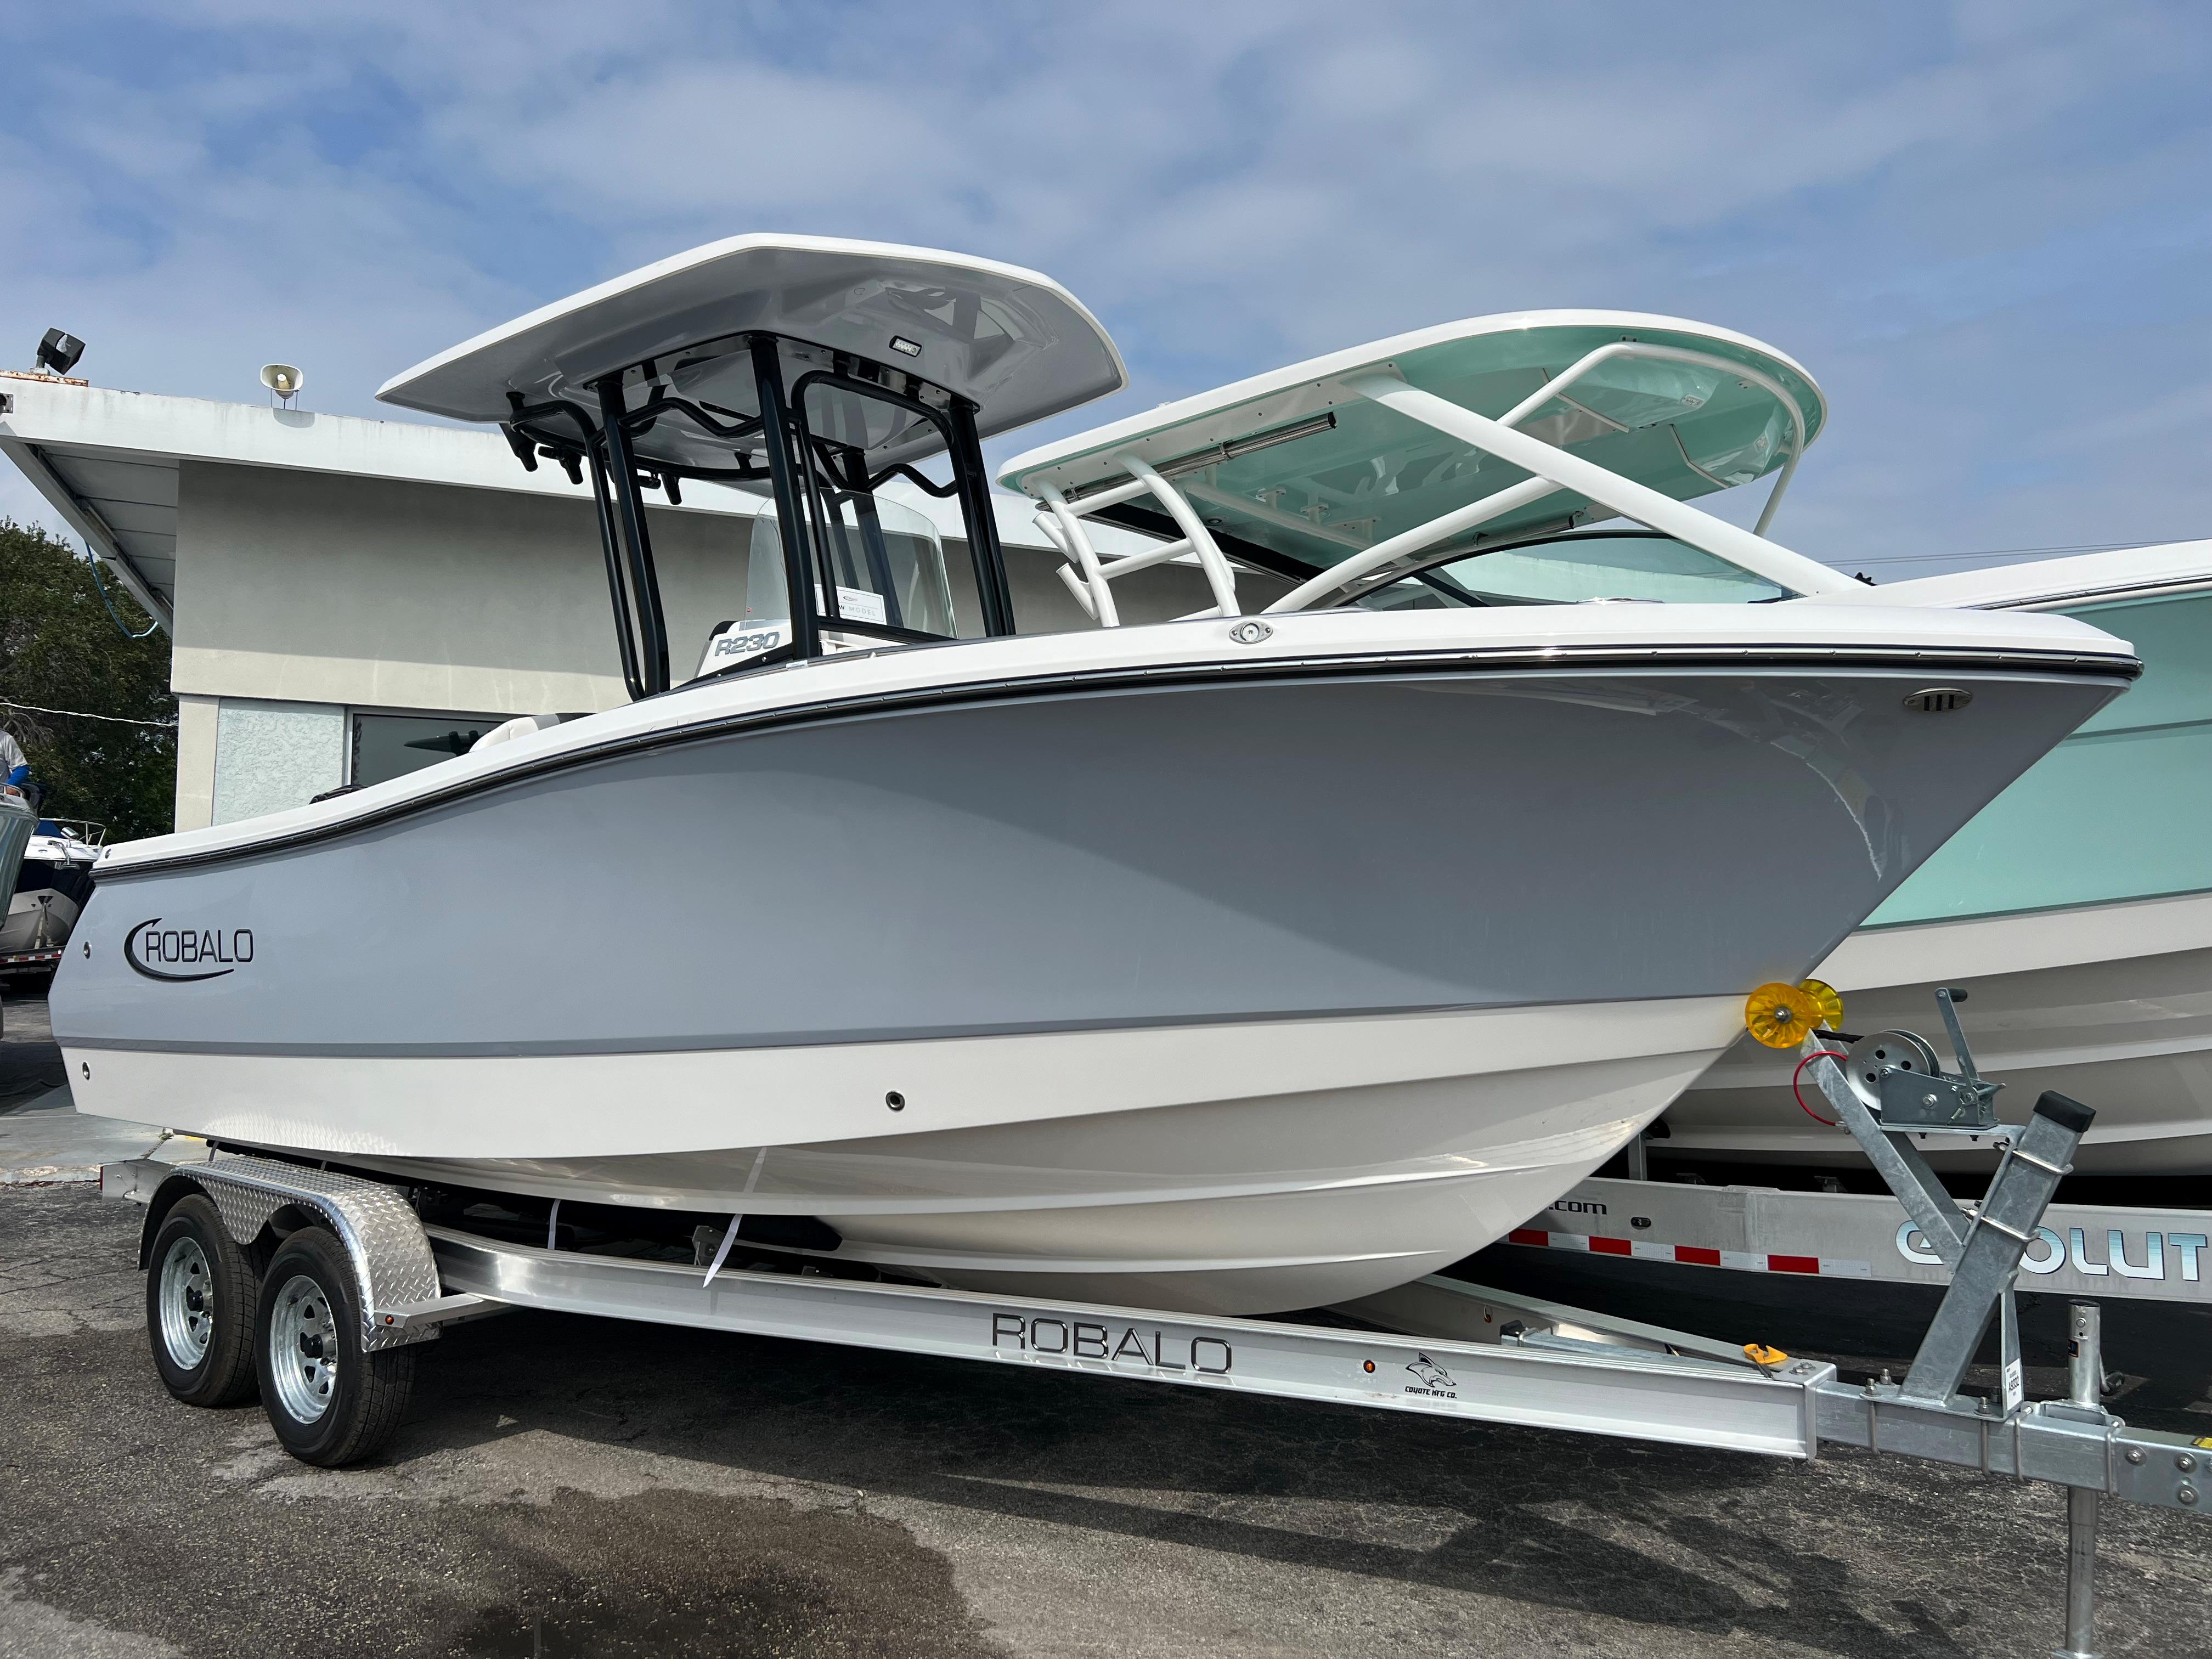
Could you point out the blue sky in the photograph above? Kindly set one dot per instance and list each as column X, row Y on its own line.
column 1985, row 227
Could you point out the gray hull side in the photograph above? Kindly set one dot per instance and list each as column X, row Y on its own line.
column 17, row 822
column 1123, row 857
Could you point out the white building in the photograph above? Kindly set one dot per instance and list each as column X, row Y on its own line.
column 349, row 599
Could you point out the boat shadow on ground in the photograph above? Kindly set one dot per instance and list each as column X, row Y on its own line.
column 1699, row 1541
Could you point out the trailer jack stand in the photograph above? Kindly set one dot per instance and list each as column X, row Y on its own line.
column 2085, row 1373
column 1982, row 1247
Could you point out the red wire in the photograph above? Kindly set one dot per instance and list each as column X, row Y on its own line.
column 1828, row 1053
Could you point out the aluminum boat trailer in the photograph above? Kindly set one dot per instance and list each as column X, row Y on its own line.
column 320, row 1285
column 2133, row 1252
column 2136, row 1253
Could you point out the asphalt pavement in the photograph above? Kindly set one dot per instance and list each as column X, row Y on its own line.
column 30, row 1064
column 44, row 1139
column 564, row 1486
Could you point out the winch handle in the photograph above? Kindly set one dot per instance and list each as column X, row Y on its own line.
column 1947, row 998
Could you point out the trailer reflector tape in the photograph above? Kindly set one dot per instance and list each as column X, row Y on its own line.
column 1697, row 1255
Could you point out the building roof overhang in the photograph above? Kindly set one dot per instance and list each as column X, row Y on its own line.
column 108, row 462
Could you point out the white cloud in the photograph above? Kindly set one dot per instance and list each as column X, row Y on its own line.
column 1966, row 221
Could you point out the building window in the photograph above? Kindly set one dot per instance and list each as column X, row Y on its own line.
column 386, row 746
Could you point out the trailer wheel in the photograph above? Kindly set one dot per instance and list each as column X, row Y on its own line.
column 331, row 1402
column 199, row 1307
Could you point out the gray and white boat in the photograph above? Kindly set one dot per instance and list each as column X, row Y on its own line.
column 1264, row 958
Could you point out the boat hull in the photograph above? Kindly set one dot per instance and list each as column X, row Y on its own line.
column 48, row 896
column 1126, row 931
column 37, row 920
column 1359, row 1154
column 2110, row 1004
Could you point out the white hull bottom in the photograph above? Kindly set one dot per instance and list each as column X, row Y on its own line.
column 1358, row 1155
column 2110, row 1003
column 38, row 920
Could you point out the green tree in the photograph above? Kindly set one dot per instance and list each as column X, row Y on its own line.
column 59, row 649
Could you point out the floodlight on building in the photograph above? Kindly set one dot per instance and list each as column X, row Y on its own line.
column 58, row 351
column 284, row 381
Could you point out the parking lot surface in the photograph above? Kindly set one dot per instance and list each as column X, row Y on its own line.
column 571, row 1486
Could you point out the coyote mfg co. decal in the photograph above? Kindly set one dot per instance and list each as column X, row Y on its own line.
column 1435, row 1381
column 186, row 953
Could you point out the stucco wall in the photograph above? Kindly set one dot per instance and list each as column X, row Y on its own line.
column 309, row 588
column 314, row 587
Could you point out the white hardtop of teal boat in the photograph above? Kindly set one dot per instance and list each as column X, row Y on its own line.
column 2112, row 575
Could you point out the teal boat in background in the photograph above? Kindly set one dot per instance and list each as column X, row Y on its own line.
column 2122, row 810
column 2076, row 907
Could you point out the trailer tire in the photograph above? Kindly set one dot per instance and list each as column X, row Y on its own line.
column 200, row 1307
column 331, row 1401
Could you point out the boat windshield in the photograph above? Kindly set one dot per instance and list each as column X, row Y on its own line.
column 888, row 569
column 1579, row 569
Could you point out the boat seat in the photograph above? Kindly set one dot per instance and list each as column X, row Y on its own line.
column 522, row 726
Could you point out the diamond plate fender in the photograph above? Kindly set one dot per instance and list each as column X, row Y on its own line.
column 391, row 1261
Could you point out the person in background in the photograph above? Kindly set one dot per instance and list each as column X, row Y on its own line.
column 16, row 769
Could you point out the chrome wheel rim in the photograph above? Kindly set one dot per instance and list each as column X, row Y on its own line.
column 303, row 1348
column 187, row 1303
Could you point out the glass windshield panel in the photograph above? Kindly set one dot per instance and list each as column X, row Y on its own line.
column 880, row 560
column 890, row 568
column 887, row 563
column 880, row 573
column 1579, row 570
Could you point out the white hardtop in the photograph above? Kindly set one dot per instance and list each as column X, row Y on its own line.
column 2114, row 575
column 1552, row 635
column 1012, row 341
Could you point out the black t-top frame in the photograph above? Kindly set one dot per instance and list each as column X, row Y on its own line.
column 775, row 448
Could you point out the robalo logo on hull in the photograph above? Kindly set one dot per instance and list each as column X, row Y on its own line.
column 160, row 953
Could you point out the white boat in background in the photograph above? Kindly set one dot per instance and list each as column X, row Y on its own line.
column 2077, row 909
column 1240, row 963
column 51, row 887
